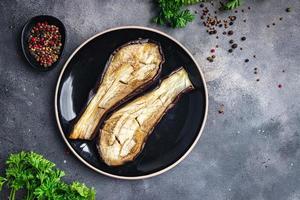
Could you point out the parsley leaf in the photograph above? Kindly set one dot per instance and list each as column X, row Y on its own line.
column 40, row 179
column 171, row 13
column 190, row 2
column 2, row 181
column 232, row 4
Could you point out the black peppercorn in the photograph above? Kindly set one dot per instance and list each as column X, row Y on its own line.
column 230, row 32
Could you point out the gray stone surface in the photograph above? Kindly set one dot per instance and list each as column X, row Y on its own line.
column 249, row 152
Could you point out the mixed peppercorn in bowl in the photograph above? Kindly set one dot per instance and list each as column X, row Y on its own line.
column 42, row 41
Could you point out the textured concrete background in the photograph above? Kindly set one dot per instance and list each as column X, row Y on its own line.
column 249, row 152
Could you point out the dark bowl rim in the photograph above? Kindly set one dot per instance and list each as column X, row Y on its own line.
column 130, row 177
column 23, row 46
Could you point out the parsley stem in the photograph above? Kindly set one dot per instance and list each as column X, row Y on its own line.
column 12, row 194
column 29, row 195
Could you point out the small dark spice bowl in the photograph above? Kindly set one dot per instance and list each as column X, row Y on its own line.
column 25, row 35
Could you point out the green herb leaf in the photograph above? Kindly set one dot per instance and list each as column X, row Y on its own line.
column 2, row 181
column 84, row 191
column 171, row 13
column 232, row 4
column 190, row 2
column 41, row 180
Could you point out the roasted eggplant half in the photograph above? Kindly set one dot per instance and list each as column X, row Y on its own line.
column 125, row 132
column 130, row 69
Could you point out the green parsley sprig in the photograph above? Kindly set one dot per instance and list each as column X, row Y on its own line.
column 40, row 179
column 172, row 13
column 232, row 4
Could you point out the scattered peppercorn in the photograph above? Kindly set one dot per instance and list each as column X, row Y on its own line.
column 268, row 26
column 243, row 38
column 254, row 56
column 288, row 9
column 234, row 46
column 283, row 70
column 236, row 11
column 232, row 18
column 212, row 50
column 257, row 79
column 212, row 32
column 231, row 41
column 230, row 50
column 242, row 10
column 241, row 48
column 213, row 56
column 273, row 24
column 217, row 46
column 201, row 5
column 244, row 20
column 230, row 23
column 279, row 86
column 224, row 33
column 246, row 60
column 249, row 8
column 230, row 32
column 44, row 43
column 221, row 109
column 210, row 59
column 280, row 18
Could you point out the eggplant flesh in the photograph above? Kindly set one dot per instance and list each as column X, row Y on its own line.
column 125, row 132
column 131, row 67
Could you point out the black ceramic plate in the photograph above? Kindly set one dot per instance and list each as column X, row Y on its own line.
column 26, row 33
column 174, row 136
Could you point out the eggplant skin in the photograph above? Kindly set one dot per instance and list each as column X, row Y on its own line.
column 130, row 69
column 125, row 132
